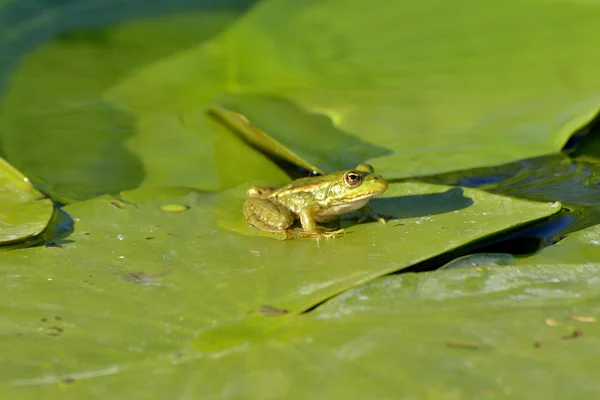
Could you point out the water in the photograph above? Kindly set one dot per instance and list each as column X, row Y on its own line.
column 574, row 181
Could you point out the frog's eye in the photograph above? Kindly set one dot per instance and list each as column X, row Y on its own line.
column 352, row 179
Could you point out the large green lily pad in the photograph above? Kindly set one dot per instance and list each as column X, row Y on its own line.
column 422, row 97
column 443, row 95
column 140, row 276
column 24, row 211
column 484, row 333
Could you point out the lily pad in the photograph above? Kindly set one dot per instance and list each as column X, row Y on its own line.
column 276, row 126
column 25, row 212
column 480, row 260
column 58, row 128
column 589, row 146
column 102, row 289
column 443, row 95
column 439, row 324
column 578, row 248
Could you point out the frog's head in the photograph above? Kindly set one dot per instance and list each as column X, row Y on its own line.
column 354, row 187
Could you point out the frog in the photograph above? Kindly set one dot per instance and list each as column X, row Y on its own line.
column 313, row 200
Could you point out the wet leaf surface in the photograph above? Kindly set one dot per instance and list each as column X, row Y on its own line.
column 134, row 283
column 486, row 333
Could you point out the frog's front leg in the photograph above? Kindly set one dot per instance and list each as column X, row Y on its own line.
column 366, row 213
column 310, row 228
column 267, row 215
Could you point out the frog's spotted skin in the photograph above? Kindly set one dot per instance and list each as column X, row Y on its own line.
column 313, row 199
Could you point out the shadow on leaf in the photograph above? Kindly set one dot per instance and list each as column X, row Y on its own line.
column 422, row 205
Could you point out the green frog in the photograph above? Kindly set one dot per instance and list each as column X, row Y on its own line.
column 314, row 199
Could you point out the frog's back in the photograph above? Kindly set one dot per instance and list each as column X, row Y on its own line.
column 302, row 193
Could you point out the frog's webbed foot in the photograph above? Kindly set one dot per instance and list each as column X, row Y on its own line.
column 329, row 233
column 299, row 233
column 367, row 214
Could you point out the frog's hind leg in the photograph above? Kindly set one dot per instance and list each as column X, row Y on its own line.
column 267, row 216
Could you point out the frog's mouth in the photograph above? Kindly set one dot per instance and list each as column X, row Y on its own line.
column 367, row 197
column 337, row 208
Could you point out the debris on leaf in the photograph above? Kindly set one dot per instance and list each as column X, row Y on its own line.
column 465, row 345
column 270, row 311
column 576, row 333
column 582, row 318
